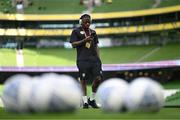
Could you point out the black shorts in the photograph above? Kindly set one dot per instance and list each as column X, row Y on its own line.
column 89, row 69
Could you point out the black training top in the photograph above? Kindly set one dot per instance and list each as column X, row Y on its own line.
column 85, row 51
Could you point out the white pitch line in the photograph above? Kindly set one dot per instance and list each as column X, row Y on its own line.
column 170, row 92
column 19, row 58
column 147, row 55
column 1, row 102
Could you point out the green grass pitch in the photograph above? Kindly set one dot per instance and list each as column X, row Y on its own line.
column 60, row 6
column 113, row 55
column 63, row 57
column 95, row 114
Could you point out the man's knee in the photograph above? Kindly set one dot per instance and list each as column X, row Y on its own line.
column 98, row 79
column 83, row 81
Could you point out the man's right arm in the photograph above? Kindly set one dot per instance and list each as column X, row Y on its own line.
column 81, row 42
column 77, row 43
column 74, row 39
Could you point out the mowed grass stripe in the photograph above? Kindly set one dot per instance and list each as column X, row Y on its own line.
column 67, row 57
column 148, row 54
column 165, row 113
column 8, row 57
column 130, row 54
column 166, row 52
column 60, row 6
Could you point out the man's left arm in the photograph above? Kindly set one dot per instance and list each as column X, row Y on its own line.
column 96, row 44
column 97, row 51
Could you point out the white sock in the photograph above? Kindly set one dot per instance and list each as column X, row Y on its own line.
column 85, row 99
column 93, row 96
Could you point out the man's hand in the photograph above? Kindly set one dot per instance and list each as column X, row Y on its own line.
column 88, row 39
column 84, row 41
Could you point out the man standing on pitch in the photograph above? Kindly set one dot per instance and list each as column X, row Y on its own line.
column 85, row 41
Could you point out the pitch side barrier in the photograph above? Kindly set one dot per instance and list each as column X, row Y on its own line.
column 95, row 16
column 109, row 70
column 100, row 31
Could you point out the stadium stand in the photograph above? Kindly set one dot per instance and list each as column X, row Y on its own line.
column 100, row 31
column 109, row 15
column 126, row 24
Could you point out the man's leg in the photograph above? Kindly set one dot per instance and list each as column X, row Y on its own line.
column 96, row 84
column 91, row 100
column 97, row 72
column 82, row 66
column 84, row 88
column 84, row 97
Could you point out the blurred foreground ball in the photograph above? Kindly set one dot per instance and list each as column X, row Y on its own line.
column 16, row 93
column 66, row 94
column 40, row 95
column 144, row 95
column 56, row 93
column 110, row 95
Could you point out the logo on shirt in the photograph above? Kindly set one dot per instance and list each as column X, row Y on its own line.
column 88, row 44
